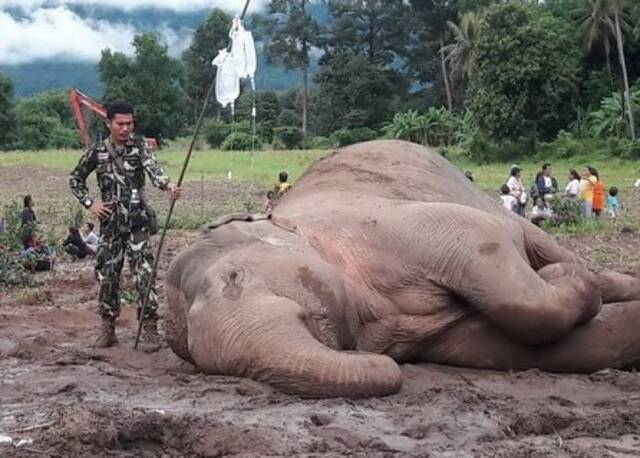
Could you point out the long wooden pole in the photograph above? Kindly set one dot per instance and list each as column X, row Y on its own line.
column 156, row 261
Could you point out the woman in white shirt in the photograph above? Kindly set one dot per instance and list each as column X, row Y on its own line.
column 573, row 188
column 517, row 189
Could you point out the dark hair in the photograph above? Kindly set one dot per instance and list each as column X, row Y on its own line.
column 74, row 231
column 118, row 107
column 27, row 200
column 535, row 200
column 575, row 175
column 593, row 172
column 90, row 225
column 515, row 170
column 469, row 175
column 545, row 166
column 283, row 176
column 504, row 189
column 613, row 191
column 270, row 194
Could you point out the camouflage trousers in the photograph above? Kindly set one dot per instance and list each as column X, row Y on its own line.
column 109, row 261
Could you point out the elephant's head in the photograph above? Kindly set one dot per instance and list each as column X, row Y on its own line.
column 250, row 299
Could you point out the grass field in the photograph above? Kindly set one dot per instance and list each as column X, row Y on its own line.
column 204, row 163
column 212, row 164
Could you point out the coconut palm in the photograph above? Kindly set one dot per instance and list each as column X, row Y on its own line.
column 610, row 17
column 596, row 27
column 461, row 53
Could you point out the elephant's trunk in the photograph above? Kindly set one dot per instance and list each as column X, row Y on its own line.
column 270, row 343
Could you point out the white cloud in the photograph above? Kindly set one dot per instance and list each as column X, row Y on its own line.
column 49, row 29
column 128, row 5
column 58, row 32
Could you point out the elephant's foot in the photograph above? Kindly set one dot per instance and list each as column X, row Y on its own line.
column 610, row 340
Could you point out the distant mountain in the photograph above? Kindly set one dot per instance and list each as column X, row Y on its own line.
column 43, row 75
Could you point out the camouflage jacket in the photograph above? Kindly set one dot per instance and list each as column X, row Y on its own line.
column 116, row 187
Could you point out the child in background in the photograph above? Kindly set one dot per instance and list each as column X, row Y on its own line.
column 283, row 186
column 508, row 201
column 268, row 203
column 613, row 208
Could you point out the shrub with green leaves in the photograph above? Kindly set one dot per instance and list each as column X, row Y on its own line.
column 12, row 272
column 291, row 137
column 346, row 137
column 566, row 212
column 239, row 141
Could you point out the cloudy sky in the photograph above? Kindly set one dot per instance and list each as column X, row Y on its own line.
column 47, row 29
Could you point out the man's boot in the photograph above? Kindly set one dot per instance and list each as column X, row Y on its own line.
column 150, row 338
column 107, row 335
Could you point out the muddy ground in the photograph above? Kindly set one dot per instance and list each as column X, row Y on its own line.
column 61, row 397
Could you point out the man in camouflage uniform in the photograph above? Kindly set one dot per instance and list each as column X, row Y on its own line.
column 125, row 218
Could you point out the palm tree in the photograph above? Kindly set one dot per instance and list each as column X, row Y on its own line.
column 596, row 28
column 609, row 18
column 461, row 53
column 619, row 16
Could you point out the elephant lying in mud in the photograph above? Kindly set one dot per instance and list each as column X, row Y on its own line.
column 384, row 253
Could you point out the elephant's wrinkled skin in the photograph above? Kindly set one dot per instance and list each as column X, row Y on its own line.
column 385, row 253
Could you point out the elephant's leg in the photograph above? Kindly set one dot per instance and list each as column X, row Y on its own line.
column 609, row 340
column 532, row 307
column 542, row 249
column 263, row 336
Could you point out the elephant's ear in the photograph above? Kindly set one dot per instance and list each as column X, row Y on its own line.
column 263, row 337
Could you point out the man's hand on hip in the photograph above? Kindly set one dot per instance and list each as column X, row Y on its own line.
column 100, row 209
column 175, row 191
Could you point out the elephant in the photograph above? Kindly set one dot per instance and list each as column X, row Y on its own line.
column 383, row 253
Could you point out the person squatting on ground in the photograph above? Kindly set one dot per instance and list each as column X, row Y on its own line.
column 282, row 186
column 126, row 220
column 540, row 211
column 90, row 239
column 74, row 245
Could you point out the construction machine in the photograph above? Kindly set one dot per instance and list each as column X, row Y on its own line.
column 79, row 101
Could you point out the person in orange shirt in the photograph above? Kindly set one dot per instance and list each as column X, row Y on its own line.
column 587, row 183
column 598, row 193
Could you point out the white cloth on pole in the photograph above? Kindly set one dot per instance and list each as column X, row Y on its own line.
column 227, row 80
column 243, row 50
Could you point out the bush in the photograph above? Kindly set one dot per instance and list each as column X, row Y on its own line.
column 239, row 141
column 64, row 137
column 12, row 272
column 320, row 142
column 215, row 133
column 346, row 137
column 566, row 212
column 482, row 150
column 291, row 137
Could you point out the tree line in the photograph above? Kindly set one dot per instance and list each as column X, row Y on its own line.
column 497, row 77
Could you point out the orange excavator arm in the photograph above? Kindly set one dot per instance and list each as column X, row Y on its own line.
column 78, row 100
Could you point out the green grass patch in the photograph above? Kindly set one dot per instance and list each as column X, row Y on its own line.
column 261, row 167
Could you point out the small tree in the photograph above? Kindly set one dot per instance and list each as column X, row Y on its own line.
column 7, row 115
